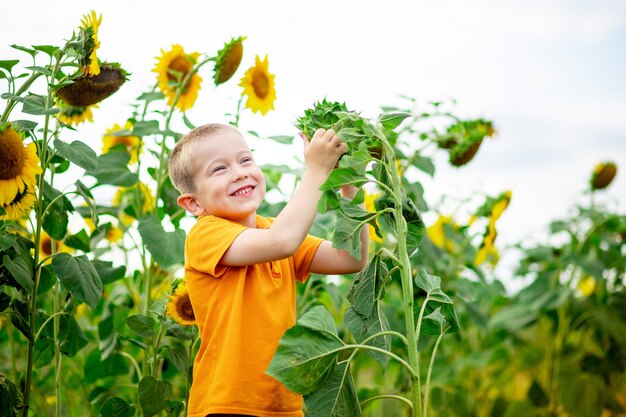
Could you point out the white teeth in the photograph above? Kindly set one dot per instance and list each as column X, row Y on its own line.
column 244, row 191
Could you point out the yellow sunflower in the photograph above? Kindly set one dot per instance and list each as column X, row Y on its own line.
column 587, row 285
column 228, row 60
column 487, row 245
column 500, row 205
column 437, row 233
column 125, row 197
column 258, row 85
column 19, row 165
column 129, row 144
column 89, row 29
column 21, row 205
column 603, row 175
column 45, row 246
column 114, row 234
column 72, row 115
column 369, row 206
column 179, row 306
column 172, row 68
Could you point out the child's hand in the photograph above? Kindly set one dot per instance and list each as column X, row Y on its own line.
column 322, row 152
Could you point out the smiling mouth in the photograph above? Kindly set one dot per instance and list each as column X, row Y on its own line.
column 243, row 191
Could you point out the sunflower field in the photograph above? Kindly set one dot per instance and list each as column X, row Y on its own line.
column 96, row 320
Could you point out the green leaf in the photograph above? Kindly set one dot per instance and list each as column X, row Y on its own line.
column 364, row 327
column 142, row 325
column 328, row 201
column 336, row 397
column 78, row 275
column 392, row 120
column 188, row 122
column 97, row 368
column 167, row 248
column 435, row 297
column 36, row 104
column 152, row 96
column 32, row 52
column 434, row 323
column 79, row 241
column 178, row 331
column 8, row 64
column 146, row 128
column 347, row 235
column 307, row 352
column 513, row 317
column 71, row 337
column 365, row 288
column 41, row 70
column 78, row 153
column 10, row 397
column 21, row 271
column 107, row 272
column 179, row 356
column 341, row 176
column 424, row 164
column 117, row 407
column 113, row 169
column 48, row 49
column 154, row 395
column 85, row 193
column 55, row 220
column 24, row 125
column 7, row 241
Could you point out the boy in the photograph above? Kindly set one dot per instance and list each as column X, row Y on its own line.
column 241, row 268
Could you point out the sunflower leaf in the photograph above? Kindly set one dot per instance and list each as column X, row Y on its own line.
column 20, row 270
column 154, row 395
column 284, row 139
column 85, row 193
column 179, row 356
column 364, row 327
column 117, row 407
column 113, row 169
column 71, row 337
column 107, row 272
column 37, row 105
column 335, row 397
column 47, row 49
column 167, row 248
column 78, row 275
column 392, row 120
column 146, row 128
column 140, row 324
column 307, row 353
column 342, row 176
column 77, row 152
column 8, row 64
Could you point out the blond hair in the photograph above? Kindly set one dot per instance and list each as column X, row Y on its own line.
column 181, row 168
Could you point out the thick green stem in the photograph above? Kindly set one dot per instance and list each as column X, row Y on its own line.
column 407, row 282
column 58, row 360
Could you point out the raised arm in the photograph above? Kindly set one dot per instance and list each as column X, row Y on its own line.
column 291, row 226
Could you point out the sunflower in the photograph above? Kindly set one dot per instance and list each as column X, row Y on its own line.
column 72, row 115
column 129, row 144
column 86, row 90
column 369, row 206
column 21, row 205
column 125, row 197
column 172, row 68
column 603, row 175
column 19, row 165
column 114, row 234
column 179, row 306
column 587, row 285
column 228, row 60
column 438, row 235
column 45, row 246
column 89, row 31
column 258, row 85
column 487, row 245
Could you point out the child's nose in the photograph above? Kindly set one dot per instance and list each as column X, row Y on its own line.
column 240, row 174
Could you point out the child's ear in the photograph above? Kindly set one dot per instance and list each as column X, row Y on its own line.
column 190, row 203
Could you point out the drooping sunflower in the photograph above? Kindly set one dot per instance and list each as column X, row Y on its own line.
column 172, row 68
column 129, row 144
column 89, row 33
column 73, row 116
column 19, row 165
column 258, row 85
column 21, row 205
column 84, row 90
column 603, row 175
column 179, row 306
column 487, row 245
column 228, row 60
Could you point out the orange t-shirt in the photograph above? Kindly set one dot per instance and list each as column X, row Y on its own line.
column 242, row 312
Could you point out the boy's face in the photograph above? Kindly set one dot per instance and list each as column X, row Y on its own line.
column 229, row 184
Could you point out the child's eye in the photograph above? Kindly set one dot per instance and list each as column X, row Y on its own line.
column 218, row 168
column 246, row 159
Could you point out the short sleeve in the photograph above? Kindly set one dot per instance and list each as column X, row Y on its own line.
column 303, row 257
column 207, row 242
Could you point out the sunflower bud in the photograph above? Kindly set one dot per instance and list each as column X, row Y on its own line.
column 603, row 175
column 86, row 91
column 228, row 60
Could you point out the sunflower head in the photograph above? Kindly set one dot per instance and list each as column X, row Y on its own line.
column 138, row 195
column 126, row 143
column 19, row 165
column 463, row 139
column 369, row 206
column 439, row 233
column 72, row 115
column 21, row 205
column 87, row 90
column 173, row 68
column 487, row 247
column 228, row 60
column 179, row 306
column 603, row 175
column 258, row 85
column 88, row 36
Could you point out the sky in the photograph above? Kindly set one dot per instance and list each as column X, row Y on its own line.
column 549, row 73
